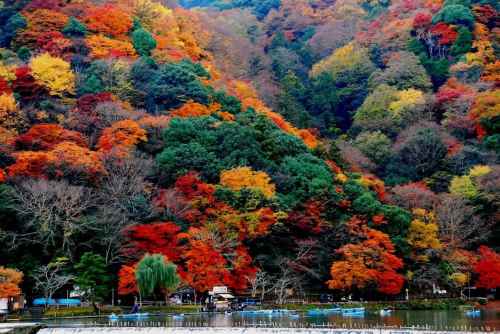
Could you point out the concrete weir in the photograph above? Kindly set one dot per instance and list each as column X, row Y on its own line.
column 215, row 330
column 19, row 328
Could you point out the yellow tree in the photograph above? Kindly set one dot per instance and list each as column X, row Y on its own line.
column 406, row 101
column 423, row 234
column 149, row 12
column 11, row 117
column 244, row 177
column 342, row 59
column 464, row 186
column 7, row 72
column 53, row 73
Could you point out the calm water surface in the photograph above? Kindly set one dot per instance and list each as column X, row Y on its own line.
column 434, row 319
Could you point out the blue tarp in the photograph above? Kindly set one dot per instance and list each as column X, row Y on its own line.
column 53, row 302
column 69, row 302
column 43, row 301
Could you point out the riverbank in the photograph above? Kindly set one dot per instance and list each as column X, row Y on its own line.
column 88, row 311
column 414, row 305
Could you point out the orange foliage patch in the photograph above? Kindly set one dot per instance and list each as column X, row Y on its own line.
column 491, row 73
column 127, row 283
column 9, row 282
column 194, row 109
column 121, row 137
column 30, row 164
column 154, row 122
column 485, row 107
column 104, row 47
column 108, row 20
column 77, row 158
column 46, row 136
column 371, row 261
column 65, row 157
column 40, row 21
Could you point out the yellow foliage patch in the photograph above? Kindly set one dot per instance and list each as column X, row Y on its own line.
column 406, row 99
column 343, row 58
column 244, row 177
column 11, row 117
column 53, row 73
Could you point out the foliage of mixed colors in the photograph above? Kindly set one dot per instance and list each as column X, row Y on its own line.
column 349, row 145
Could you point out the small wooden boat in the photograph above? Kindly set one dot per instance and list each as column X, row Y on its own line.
column 130, row 317
column 473, row 313
column 178, row 316
column 323, row 311
column 385, row 312
column 356, row 312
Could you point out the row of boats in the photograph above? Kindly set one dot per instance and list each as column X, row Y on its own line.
column 138, row 317
column 348, row 312
column 357, row 311
column 271, row 313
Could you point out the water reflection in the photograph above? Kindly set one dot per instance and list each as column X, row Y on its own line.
column 430, row 319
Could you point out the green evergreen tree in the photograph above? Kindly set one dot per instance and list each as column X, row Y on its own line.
column 24, row 53
column 455, row 14
column 74, row 28
column 143, row 42
column 92, row 276
column 289, row 101
column 463, row 43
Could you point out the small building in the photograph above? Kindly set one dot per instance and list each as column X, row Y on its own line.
column 11, row 304
column 219, row 299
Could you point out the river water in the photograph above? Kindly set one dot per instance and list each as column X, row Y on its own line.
column 435, row 320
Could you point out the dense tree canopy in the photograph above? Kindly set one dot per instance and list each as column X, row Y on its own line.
column 349, row 146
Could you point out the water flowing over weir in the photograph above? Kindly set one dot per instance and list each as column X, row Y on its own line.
column 212, row 330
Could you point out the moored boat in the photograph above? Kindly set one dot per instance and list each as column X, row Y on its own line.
column 473, row 313
column 131, row 316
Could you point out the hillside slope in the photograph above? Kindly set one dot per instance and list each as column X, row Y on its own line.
column 129, row 127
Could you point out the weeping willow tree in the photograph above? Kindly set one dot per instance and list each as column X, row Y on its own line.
column 155, row 272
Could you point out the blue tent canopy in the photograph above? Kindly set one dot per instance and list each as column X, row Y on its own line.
column 54, row 302
column 69, row 302
column 44, row 301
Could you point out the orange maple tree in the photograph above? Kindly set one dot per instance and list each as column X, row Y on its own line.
column 63, row 159
column 47, row 136
column 127, row 283
column 371, row 261
column 108, row 20
column 40, row 22
column 121, row 137
column 9, row 282
column 104, row 47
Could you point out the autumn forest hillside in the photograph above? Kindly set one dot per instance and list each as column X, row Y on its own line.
column 340, row 146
